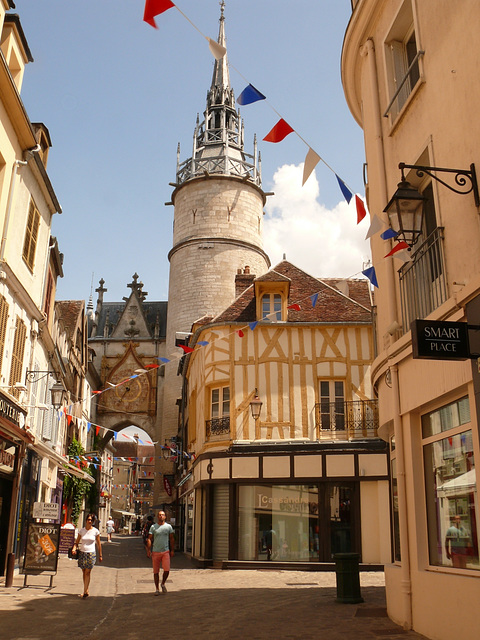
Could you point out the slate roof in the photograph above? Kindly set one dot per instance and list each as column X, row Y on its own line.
column 332, row 305
column 113, row 311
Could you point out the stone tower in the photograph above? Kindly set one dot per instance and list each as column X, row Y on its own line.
column 217, row 230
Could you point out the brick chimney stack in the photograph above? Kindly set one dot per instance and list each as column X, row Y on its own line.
column 243, row 280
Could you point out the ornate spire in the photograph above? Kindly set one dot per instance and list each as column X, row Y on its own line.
column 218, row 144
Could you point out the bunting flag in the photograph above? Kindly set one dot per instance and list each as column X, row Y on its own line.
column 347, row 194
column 97, row 430
column 165, row 360
column 155, row 8
column 404, row 255
column 314, row 299
column 397, row 247
column 371, row 275
column 89, row 424
column 389, row 233
column 250, row 95
column 361, row 212
column 152, row 366
column 311, row 160
column 375, row 226
column 252, row 325
column 240, row 333
column 279, row 132
column 185, row 348
column 203, row 343
column 216, row 49
column 294, row 307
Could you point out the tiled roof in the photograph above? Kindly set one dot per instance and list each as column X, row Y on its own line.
column 68, row 312
column 332, row 305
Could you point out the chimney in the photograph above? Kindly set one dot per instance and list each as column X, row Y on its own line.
column 243, row 280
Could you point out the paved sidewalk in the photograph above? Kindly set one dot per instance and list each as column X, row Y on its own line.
column 200, row 603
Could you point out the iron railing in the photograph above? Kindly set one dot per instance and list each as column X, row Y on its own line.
column 347, row 419
column 423, row 284
column 218, row 426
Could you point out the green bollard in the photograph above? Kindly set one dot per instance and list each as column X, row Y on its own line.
column 348, row 578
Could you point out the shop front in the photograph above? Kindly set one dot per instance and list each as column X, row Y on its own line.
column 295, row 509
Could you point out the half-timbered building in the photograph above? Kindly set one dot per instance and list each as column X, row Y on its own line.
column 307, row 478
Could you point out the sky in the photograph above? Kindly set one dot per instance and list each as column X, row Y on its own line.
column 118, row 96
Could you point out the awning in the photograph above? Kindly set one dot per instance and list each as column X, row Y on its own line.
column 465, row 483
column 125, row 513
column 60, row 461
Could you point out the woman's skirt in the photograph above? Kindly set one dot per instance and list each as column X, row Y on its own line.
column 86, row 560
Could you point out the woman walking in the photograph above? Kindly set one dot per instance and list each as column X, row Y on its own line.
column 87, row 538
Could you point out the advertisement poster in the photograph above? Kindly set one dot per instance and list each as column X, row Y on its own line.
column 67, row 538
column 41, row 553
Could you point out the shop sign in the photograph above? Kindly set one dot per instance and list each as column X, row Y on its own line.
column 435, row 340
column 167, row 485
column 41, row 553
column 7, row 456
column 46, row 510
column 67, row 538
column 8, row 411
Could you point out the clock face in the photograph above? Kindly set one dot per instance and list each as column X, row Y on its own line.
column 131, row 390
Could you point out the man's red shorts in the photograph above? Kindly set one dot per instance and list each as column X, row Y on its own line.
column 160, row 558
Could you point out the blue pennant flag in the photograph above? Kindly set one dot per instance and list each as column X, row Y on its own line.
column 252, row 325
column 389, row 233
column 314, row 299
column 203, row 343
column 344, row 189
column 371, row 275
column 89, row 424
column 163, row 359
column 250, row 95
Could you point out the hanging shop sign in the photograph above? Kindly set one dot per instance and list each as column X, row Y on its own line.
column 46, row 510
column 436, row 340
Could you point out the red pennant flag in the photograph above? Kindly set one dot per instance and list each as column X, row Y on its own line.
column 152, row 366
column 240, row 333
column 295, row 307
column 361, row 213
column 279, row 131
column 69, row 419
column 155, row 8
column 186, row 349
column 397, row 247
column 94, row 392
column 97, row 430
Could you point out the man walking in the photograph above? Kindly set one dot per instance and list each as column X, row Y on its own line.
column 160, row 545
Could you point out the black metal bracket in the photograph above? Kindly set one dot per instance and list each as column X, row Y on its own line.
column 466, row 178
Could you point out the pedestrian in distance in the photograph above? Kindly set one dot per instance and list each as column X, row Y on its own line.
column 146, row 530
column 88, row 537
column 160, row 546
column 110, row 528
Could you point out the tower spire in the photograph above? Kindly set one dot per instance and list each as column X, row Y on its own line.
column 218, row 146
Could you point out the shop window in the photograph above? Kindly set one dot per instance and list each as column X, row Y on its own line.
column 3, row 327
column 451, row 487
column 403, row 60
column 271, row 307
column 31, row 236
column 17, row 355
column 219, row 423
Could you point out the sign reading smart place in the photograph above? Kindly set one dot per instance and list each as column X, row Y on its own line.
column 437, row 340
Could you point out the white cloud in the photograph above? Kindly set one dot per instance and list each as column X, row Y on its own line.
column 323, row 242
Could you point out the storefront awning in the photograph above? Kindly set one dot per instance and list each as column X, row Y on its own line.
column 60, row 461
column 125, row 513
column 465, row 483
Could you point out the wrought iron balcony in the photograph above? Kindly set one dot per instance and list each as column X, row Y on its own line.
column 423, row 284
column 218, row 427
column 346, row 420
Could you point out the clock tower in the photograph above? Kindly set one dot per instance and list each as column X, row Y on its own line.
column 218, row 200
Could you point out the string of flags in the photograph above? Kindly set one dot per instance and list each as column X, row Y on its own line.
column 281, row 130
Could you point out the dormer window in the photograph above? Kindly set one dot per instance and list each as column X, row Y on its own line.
column 271, row 307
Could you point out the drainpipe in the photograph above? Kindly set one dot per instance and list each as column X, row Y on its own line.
column 368, row 51
column 405, row 583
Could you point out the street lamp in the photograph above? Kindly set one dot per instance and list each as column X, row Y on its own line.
column 56, row 393
column 406, row 207
column 256, row 406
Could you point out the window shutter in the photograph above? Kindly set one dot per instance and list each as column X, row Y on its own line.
column 3, row 327
column 17, row 355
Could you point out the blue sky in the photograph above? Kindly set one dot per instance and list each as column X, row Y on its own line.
column 118, row 96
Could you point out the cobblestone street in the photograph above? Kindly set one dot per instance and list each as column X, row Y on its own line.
column 200, row 603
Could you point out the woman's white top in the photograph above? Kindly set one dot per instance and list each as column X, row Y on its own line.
column 87, row 539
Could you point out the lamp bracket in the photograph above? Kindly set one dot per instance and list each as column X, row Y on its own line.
column 35, row 376
column 464, row 178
